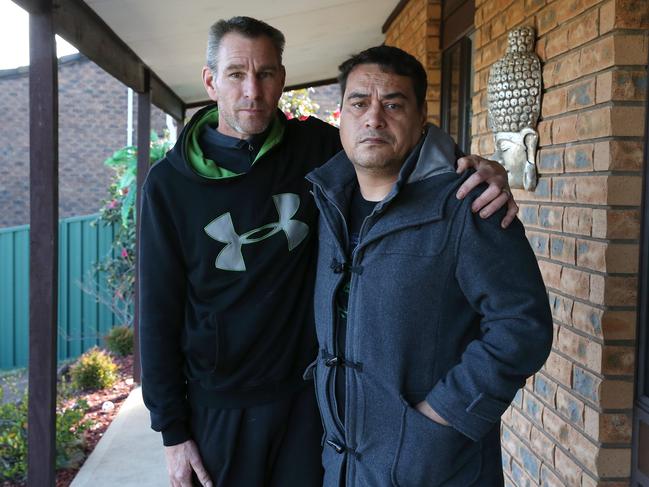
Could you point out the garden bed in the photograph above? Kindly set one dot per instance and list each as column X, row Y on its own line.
column 99, row 419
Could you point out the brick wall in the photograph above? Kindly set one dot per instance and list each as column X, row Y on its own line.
column 14, row 149
column 417, row 31
column 92, row 125
column 571, row 424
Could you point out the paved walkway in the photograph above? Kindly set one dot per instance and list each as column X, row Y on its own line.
column 129, row 454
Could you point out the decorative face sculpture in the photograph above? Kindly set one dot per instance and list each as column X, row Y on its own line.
column 516, row 151
column 514, row 95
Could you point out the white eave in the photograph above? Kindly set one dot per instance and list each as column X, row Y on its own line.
column 170, row 36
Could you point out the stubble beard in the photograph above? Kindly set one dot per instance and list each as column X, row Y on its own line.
column 246, row 127
column 375, row 164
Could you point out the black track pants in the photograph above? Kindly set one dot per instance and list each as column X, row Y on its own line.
column 272, row 445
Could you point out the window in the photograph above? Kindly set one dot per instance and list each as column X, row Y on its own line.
column 456, row 92
column 640, row 462
column 457, row 70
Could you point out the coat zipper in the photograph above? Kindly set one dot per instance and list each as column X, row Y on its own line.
column 332, row 384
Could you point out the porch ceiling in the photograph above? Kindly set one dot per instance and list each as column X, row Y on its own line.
column 170, row 36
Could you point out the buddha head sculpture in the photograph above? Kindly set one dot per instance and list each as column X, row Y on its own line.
column 514, row 96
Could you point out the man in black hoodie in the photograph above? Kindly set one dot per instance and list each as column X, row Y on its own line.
column 227, row 271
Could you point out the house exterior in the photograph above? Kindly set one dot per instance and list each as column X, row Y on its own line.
column 573, row 423
column 583, row 420
column 93, row 114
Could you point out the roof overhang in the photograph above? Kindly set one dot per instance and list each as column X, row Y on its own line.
column 142, row 41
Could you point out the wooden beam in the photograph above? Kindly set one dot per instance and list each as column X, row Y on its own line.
column 164, row 98
column 85, row 30
column 143, row 158
column 43, row 245
column 180, row 124
column 395, row 13
column 77, row 23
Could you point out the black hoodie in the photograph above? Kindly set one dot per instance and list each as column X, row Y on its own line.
column 226, row 272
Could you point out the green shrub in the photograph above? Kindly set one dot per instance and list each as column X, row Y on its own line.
column 116, row 270
column 69, row 435
column 120, row 340
column 94, row 370
column 13, row 437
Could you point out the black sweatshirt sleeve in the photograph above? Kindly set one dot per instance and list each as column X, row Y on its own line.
column 162, row 300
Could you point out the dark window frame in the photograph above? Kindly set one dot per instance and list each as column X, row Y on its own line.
column 641, row 407
column 465, row 47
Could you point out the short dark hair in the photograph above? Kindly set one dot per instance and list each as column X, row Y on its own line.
column 247, row 27
column 391, row 60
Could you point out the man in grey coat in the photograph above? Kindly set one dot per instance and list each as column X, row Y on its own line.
column 429, row 318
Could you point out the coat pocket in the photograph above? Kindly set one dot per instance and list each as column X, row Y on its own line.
column 431, row 455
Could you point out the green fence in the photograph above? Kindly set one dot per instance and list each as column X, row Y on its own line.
column 82, row 321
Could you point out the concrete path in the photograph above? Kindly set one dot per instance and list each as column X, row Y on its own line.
column 129, row 454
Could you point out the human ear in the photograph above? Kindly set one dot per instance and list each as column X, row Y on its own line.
column 208, row 83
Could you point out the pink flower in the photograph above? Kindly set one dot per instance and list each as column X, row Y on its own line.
column 288, row 114
column 303, row 118
column 124, row 253
column 112, row 204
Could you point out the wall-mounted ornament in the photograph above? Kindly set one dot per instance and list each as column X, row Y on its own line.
column 514, row 101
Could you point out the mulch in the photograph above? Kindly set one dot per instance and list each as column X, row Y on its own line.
column 99, row 419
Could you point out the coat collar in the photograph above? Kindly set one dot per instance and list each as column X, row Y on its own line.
column 434, row 155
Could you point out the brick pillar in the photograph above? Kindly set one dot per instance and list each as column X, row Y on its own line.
column 571, row 425
column 417, row 30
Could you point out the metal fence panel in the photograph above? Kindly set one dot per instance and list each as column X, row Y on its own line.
column 82, row 320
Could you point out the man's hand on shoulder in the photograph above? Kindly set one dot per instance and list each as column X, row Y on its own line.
column 424, row 408
column 496, row 195
column 182, row 459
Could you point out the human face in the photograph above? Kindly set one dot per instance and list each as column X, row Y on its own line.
column 247, row 84
column 380, row 121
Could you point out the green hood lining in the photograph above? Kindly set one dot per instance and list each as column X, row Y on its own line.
column 210, row 169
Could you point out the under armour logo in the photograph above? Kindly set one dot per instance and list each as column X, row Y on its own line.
column 222, row 230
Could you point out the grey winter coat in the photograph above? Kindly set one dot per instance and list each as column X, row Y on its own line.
column 443, row 306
